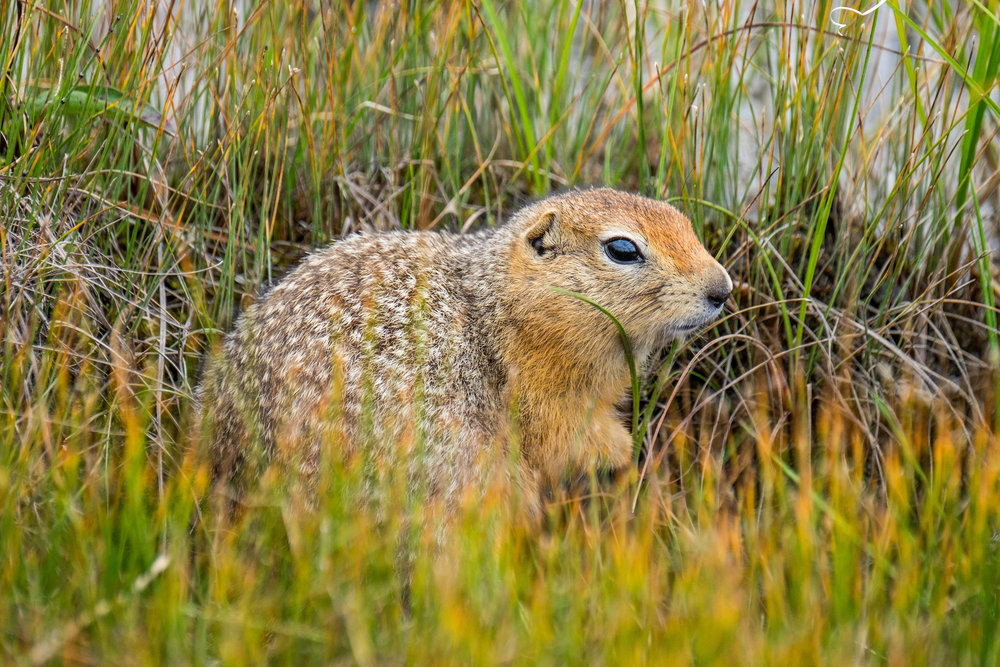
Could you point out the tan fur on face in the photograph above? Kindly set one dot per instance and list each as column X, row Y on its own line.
column 379, row 342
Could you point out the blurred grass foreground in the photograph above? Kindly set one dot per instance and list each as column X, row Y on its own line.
column 821, row 481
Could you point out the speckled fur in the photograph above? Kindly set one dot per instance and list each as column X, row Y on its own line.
column 437, row 353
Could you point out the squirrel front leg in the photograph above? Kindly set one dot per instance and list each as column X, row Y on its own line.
column 608, row 441
column 595, row 439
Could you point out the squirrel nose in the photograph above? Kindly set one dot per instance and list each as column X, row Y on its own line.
column 718, row 294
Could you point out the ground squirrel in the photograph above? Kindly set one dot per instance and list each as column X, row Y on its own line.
column 436, row 353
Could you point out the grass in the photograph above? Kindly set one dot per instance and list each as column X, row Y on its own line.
column 821, row 480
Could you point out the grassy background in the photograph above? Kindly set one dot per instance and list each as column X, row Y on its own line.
column 823, row 479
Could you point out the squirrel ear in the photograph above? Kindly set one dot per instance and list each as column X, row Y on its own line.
column 543, row 234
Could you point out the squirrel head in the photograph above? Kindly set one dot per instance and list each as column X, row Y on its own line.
column 639, row 258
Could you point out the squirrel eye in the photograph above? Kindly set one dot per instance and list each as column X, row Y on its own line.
column 622, row 251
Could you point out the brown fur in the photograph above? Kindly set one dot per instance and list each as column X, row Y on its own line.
column 437, row 353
